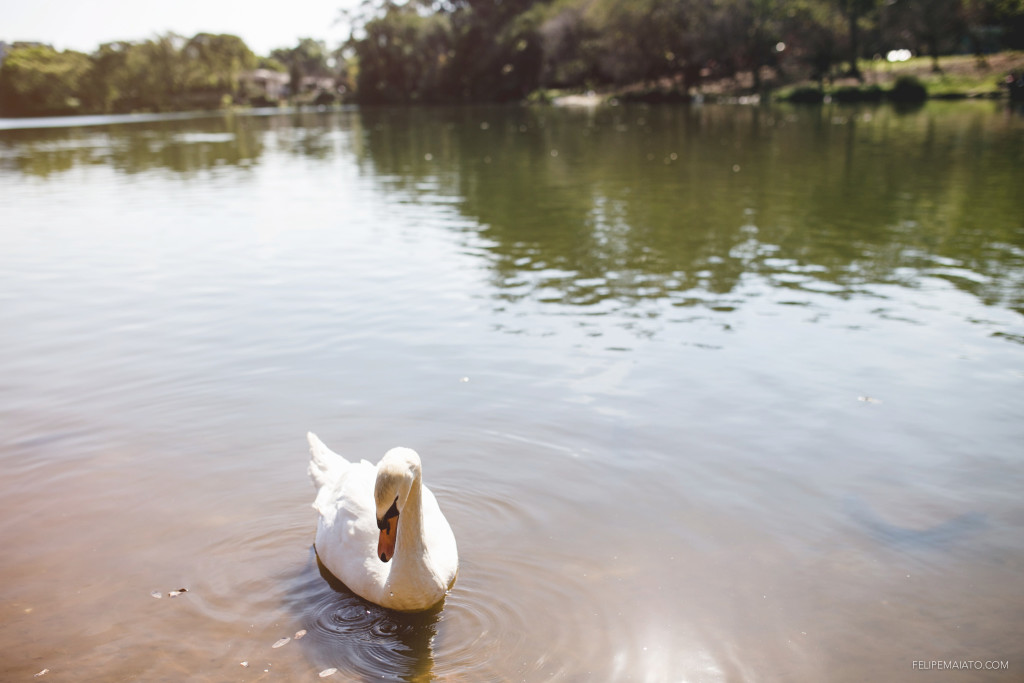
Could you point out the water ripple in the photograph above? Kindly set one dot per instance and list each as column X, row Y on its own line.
column 361, row 638
column 510, row 611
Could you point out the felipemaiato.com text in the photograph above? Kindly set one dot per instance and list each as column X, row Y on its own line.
column 962, row 664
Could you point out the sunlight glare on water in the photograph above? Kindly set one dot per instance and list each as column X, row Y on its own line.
column 711, row 394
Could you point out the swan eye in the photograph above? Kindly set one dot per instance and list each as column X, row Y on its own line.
column 382, row 524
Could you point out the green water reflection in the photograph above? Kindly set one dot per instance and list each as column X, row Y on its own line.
column 182, row 145
column 626, row 204
column 692, row 200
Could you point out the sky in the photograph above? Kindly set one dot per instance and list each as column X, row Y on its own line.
column 79, row 25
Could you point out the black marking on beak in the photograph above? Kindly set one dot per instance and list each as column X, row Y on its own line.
column 382, row 524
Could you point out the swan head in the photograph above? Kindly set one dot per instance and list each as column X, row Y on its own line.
column 398, row 470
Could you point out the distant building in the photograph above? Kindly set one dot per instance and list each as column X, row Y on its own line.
column 276, row 85
column 318, row 84
column 271, row 84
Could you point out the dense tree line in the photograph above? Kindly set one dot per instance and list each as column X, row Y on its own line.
column 502, row 50
column 165, row 73
column 497, row 50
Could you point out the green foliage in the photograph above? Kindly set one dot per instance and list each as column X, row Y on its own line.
column 852, row 94
column 270, row 64
column 855, row 12
column 214, row 62
column 308, row 58
column 806, row 95
column 503, row 50
column 570, row 40
column 847, row 94
column 496, row 52
column 110, row 83
column 158, row 72
column 164, row 73
column 811, row 32
column 39, row 81
column 470, row 50
column 908, row 90
column 403, row 56
column 647, row 40
column 499, row 50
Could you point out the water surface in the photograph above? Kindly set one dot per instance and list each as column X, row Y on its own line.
column 709, row 394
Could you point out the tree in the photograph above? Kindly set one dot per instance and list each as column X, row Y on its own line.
column 108, row 85
column 810, row 32
column 402, row 56
column 163, row 73
column 496, row 52
column 570, row 44
column 157, row 72
column 39, row 81
column 854, row 11
column 270, row 64
column 761, row 22
column 308, row 58
column 214, row 62
column 991, row 25
column 934, row 24
column 644, row 40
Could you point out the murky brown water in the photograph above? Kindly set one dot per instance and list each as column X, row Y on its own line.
column 719, row 394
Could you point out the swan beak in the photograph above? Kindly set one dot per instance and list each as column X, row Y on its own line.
column 386, row 542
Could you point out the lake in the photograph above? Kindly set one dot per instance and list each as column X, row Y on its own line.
column 719, row 393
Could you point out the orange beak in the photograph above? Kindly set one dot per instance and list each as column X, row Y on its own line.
column 388, row 536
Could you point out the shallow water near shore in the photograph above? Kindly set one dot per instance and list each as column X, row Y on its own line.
column 707, row 394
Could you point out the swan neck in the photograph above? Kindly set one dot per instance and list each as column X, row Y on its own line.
column 410, row 534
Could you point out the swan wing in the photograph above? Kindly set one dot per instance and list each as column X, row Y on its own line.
column 439, row 538
column 328, row 471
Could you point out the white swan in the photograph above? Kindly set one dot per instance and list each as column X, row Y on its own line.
column 369, row 515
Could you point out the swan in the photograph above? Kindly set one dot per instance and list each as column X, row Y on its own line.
column 380, row 530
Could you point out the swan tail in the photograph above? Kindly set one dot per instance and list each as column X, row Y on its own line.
column 325, row 466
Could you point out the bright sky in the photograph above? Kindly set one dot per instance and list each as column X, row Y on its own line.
column 81, row 25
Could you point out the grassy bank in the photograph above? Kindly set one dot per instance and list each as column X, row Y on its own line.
column 956, row 76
